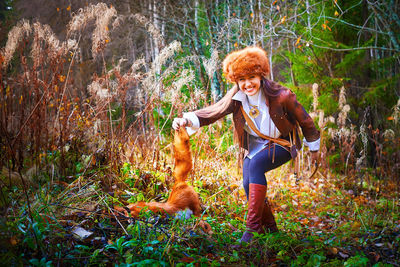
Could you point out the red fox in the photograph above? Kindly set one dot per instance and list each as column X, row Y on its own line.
column 182, row 196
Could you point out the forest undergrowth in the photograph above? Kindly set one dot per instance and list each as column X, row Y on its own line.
column 77, row 141
column 324, row 220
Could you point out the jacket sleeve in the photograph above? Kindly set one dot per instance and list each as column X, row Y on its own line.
column 295, row 109
column 218, row 110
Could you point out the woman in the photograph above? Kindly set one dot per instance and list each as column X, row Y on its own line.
column 265, row 117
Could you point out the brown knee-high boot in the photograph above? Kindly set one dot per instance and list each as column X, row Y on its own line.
column 268, row 220
column 255, row 211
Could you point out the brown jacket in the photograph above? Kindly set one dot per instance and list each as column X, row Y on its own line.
column 284, row 109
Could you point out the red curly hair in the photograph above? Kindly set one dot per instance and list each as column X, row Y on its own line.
column 247, row 61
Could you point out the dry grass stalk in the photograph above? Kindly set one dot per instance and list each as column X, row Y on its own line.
column 211, row 64
column 150, row 27
column 363, row 152
column 41, row 33
column 21, row 30
column 102, row 14
column 44, row 33
column 186, row 77
column 389, row 134
column 343, row 108
column 151, row 84
column 315, row 96
column 342, row 97
column 396, row 112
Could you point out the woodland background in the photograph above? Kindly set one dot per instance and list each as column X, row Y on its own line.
column 88, row 91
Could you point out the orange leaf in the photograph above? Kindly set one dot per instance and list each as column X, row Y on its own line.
column 274, row 2
column 324, row 26
column 13, row 241
column 333, row 251
column 239, row 218
column 336, row 13
column 355, row 226
column 298, row 40
column 69, row 8
column 58, row 9
column 304, row 221
column 278, row 8
column 390, row 118
column 235, row 44
column 283, row 19
column 251, row 14
column 61, row 78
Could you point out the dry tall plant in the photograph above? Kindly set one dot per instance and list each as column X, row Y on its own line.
column 152, row 82
column 315, row 96
column 56, row 48
column 344, row 108
column 102, row 15
column 151, row 28
column 211, row 64
column 396, row 112
column 15, row 36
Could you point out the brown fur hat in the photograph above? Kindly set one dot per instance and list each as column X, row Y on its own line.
column 250, row 60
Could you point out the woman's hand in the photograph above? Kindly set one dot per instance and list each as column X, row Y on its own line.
column 181, row 122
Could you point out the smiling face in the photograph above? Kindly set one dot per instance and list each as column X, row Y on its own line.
column 250, row 84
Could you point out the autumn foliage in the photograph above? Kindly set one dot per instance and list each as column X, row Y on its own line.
column 87, row 97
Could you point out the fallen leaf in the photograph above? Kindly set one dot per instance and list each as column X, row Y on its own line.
column 80, row 233
column 298, row 40
column 333, row 251
column 315, row 218
column 161, row 237
column 304, row 221
column 343, row 255
column 13, row 241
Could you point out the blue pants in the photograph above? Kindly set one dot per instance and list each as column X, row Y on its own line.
column 254, row 169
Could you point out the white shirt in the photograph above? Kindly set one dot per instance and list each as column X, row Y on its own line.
column 263, row 121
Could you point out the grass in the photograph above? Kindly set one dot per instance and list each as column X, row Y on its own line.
column 321, row 221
